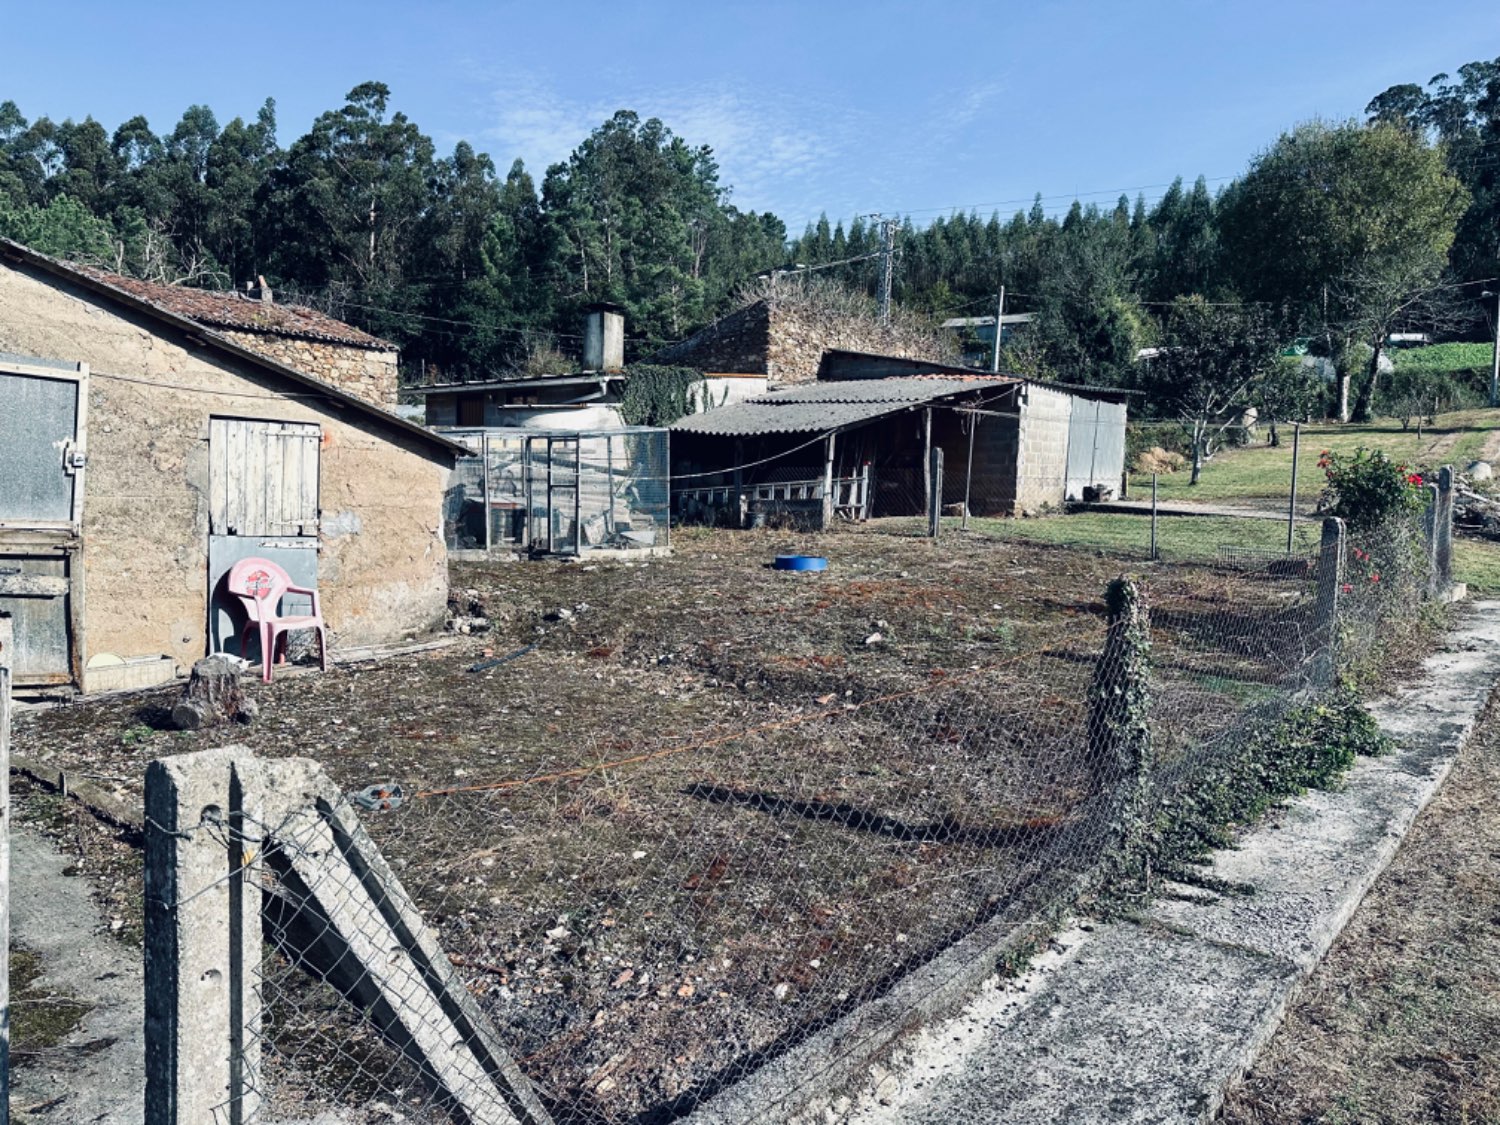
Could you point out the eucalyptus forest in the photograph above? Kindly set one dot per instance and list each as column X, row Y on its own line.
column 1337, row 233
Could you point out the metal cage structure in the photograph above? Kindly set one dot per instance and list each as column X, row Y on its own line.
column 550, row 492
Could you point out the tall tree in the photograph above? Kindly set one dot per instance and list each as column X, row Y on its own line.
column 1211, row 357
column 1346, row 224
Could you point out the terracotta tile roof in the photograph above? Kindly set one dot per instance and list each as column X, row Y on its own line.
column 239, row 313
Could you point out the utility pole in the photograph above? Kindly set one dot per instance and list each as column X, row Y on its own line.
column 999, row 328
column 1495, row 359
column 887, row 266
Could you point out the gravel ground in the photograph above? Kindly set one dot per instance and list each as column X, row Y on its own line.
column 1401, row 1022
column 716, row 805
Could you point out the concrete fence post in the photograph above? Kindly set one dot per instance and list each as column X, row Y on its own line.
column 935, row 493
column 1431, row 522
column 1119, row 726
column 238, row 848
column 202, row 943
column 1443, row 555
column 1324, row 639
column 7, row 647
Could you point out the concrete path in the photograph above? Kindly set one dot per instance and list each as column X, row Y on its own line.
column 1182, row 508
column 1149, row 1022
column 98, row 1074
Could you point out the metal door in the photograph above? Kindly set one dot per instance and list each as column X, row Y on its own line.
column 552, row 494
column 1082, row 431
column 263, row 503
column 43, row 408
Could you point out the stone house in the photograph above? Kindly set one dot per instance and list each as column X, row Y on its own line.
column 298, row 336
column 143, row 451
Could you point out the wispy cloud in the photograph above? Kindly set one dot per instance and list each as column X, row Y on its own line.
column 776, row 150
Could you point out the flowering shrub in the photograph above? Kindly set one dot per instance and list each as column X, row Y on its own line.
column 1368, row 489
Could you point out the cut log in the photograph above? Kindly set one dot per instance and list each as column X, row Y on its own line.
column 212, row 696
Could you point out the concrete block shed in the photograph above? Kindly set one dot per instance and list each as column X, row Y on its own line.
column 142, row 453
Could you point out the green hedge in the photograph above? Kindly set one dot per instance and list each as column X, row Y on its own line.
column 1443, row 358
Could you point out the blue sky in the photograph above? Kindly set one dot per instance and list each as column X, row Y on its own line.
column 836, row 106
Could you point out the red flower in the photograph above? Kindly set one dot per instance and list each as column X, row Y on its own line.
column 1374, row 578
column 1348, row 588
column 1415, row 478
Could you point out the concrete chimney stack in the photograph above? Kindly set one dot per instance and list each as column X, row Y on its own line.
column 604, row 339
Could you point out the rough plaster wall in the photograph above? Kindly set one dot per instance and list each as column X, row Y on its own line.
column 1043, row 465
column 145, row 508
column 372, row 375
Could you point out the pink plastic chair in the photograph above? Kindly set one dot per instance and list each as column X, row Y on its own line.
column 260, row 585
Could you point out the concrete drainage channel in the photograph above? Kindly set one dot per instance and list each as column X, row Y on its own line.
column 1151, row 1021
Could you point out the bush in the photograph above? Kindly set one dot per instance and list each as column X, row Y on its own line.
column 1445, row 359
column 657, row 396
column 1368, row 489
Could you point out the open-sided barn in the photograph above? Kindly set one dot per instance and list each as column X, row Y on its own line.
column 1011, row 446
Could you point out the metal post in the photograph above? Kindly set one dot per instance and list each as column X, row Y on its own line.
column 999, row 328
column 739, row 483
column 550, row 545
column 1430, row 520
column 935, row 497
column 484, row 460
column 1153, row 516
column 969, row 472
column 927, row 462
column 7, row 637
column 1291, row 507
column 1495, row 359
column 828, row 482
column 609, row 477
column 577, row 497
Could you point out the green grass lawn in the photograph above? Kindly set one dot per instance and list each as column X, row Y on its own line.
column 1177, row 537
column 1260, row 473
column 1477, row 562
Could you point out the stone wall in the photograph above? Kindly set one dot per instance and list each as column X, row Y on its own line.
column 382, row 566
column 800, row 333
column 737, row 343
column 784, row 339
column 370, row 374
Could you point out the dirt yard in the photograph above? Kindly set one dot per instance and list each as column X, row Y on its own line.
column 1400, row 1025
column 716, row 805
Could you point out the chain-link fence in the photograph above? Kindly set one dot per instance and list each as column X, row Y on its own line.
column 635, row 922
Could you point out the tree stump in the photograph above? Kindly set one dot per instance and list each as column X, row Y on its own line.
column 212, row 697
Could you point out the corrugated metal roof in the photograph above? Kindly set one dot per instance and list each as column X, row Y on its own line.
column 743, row 419
column 898, row 389
column 817, row 407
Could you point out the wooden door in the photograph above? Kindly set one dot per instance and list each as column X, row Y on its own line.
column 43, row 410
column 263, row 503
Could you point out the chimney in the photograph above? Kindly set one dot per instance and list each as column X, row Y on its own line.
column 260, row 291
column 604, row 338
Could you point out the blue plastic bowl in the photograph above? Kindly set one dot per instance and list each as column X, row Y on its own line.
column 801, row 562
